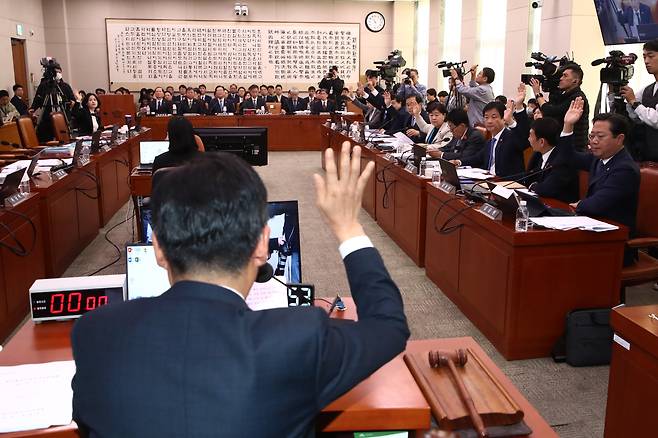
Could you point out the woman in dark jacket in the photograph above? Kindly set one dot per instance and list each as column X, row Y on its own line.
column 87, row 114
column 182, row 144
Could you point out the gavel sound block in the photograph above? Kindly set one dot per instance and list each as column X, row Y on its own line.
column 449, row 378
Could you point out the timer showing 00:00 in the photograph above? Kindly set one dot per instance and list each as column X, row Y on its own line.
column 71, row 304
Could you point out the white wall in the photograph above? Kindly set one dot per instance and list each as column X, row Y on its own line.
column 75, row 29
column 29, row 14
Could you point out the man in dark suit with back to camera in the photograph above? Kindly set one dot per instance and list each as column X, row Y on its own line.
column 323, row 104
column 196, row 361
column 253, row 101
column 614, row 178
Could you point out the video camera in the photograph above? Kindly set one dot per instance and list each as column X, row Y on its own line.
column 447, row 66
column 618, row 70
column 50, row 67
column 550, row 72
column 388, row 70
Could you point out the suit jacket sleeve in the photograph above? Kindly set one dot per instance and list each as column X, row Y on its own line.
column 351, row 351
column 611, row 192
column 556, row 183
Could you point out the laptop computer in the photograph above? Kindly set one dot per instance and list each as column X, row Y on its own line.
column 273, row 107
column 10, row 184
column 449, row 173
column 77, row 152
column 148, row 150
column 33, row 164
column 144, row 277
column 537, row 208
column 95, row 142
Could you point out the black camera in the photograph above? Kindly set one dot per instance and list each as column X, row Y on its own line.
column 618, row 70
column 50, row 67
column 447, row 66
column 388, row 70
column 551, row 70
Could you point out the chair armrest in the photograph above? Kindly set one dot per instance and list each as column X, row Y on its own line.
column 53, row 143
column 642, row 242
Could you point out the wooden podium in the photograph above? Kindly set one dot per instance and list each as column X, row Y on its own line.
column 115, row 107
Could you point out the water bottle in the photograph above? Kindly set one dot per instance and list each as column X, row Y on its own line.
column 423, row 166
column 174, row 111
column 354, row 131
column 521, row 224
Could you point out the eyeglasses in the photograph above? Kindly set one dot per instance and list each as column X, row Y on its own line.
column 597, row 136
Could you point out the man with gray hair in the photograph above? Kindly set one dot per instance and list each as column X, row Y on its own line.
column 294, row 103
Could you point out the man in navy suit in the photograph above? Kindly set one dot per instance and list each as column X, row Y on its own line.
column 221, row 104
column 294, row 102
column 323, row 104
column 196, row 361
column 550, row 171
column 190, row 105
column 203, row 96
column 467, row 142
column 253, row 101
column 503, row 153
column 412, row 130
column 634, row 14
column 158, row 104
column 398, row 114
column 614, row 177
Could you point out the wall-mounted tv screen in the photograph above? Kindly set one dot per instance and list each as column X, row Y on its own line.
column 627, row 21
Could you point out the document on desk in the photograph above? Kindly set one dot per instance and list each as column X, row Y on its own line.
column 403, row 138
column 270, row 295
column 36, row 396
column 473, row 173
column 572, row 223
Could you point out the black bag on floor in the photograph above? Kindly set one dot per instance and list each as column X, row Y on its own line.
column 587, row 340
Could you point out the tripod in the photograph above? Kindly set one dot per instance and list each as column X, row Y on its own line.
column 54, row 100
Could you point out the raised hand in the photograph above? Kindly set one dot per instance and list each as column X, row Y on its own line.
column 574, row 113
column 536, row 86
column 509, row 111
column 339, row 195
column 520, row 95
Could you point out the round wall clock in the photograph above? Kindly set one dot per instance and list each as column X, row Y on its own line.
column 375, row 21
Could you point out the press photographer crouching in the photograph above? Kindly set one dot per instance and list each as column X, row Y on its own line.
column 53, row 94
column 642, row 108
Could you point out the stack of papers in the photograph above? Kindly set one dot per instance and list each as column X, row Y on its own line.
column 473, row 173
column 36, row 396
column 572, row 223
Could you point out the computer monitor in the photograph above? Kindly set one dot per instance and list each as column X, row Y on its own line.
column 249, row 142
column 10, row 184
column 144, row 278
column 148, row 150
column 449, row 173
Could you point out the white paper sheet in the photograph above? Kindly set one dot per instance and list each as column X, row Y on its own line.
column 270, row 295
column 573, row 222
column 36, row 396
column 473, row 173
column 402, row 138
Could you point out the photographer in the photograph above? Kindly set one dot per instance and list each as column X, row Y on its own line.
column 333, row 84
column 410, row 85
column 643, row 108
column 478, row 91
column 557, row 107
column 53, row 94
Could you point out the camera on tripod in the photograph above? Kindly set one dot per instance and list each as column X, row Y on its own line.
column 447, row 66
column 388, row 70
column 50, row 67
column 618, row 68
column 550, row 72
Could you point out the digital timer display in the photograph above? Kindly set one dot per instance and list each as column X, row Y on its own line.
column 71, row 304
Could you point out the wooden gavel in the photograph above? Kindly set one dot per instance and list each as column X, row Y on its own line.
column 442, row 358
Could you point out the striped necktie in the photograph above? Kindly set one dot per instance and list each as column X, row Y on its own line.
column 430, row 138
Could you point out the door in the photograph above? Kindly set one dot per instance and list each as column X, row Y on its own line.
column 20, row 66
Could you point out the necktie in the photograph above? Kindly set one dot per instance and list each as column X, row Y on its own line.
column 430, row 138
column 324, row 104
column 189, row 103
column 492, row 146
column 294, row 104
column 255, row 103
column 221, row 104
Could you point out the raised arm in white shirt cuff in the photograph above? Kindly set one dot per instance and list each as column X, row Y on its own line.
column 564, row 134
column 374, row 92
column 366, row 95
column 354, row 244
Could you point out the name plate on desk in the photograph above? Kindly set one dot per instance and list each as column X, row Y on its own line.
column 389, row 157
column 15, row 199
column 83, row 161
column 106, row 148
column 446, row 187
column 491, row 212
column 58, row 174
column 411, row 168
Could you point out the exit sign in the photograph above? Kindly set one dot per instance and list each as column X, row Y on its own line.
column 19, row 29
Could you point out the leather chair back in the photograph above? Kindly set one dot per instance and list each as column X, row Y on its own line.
column 27, row 132
column 351, row 107
column 647, row 208
column 61, row 128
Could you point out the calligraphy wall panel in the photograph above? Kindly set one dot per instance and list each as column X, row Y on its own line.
column 145, row 53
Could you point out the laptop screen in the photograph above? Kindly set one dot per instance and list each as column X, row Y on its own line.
column 148, row 150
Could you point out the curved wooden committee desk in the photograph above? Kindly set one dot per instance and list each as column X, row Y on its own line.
column 284, row 132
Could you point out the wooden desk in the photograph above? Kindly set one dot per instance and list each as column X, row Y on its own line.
column 69, row 214
column 388, row 400
column 633, row 387
column 284, row 133
column 518, row 287
column 18, row 273
column 400, row 204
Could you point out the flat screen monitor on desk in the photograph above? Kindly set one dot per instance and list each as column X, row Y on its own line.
column 148, row 150
column 250, row 143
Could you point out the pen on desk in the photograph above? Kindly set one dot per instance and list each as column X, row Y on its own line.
column 653, row 316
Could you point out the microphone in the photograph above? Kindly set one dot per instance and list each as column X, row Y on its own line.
column 295, row 291
column 265, row 272
column 375, row 131
column 599, row 61
column 523, row 175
